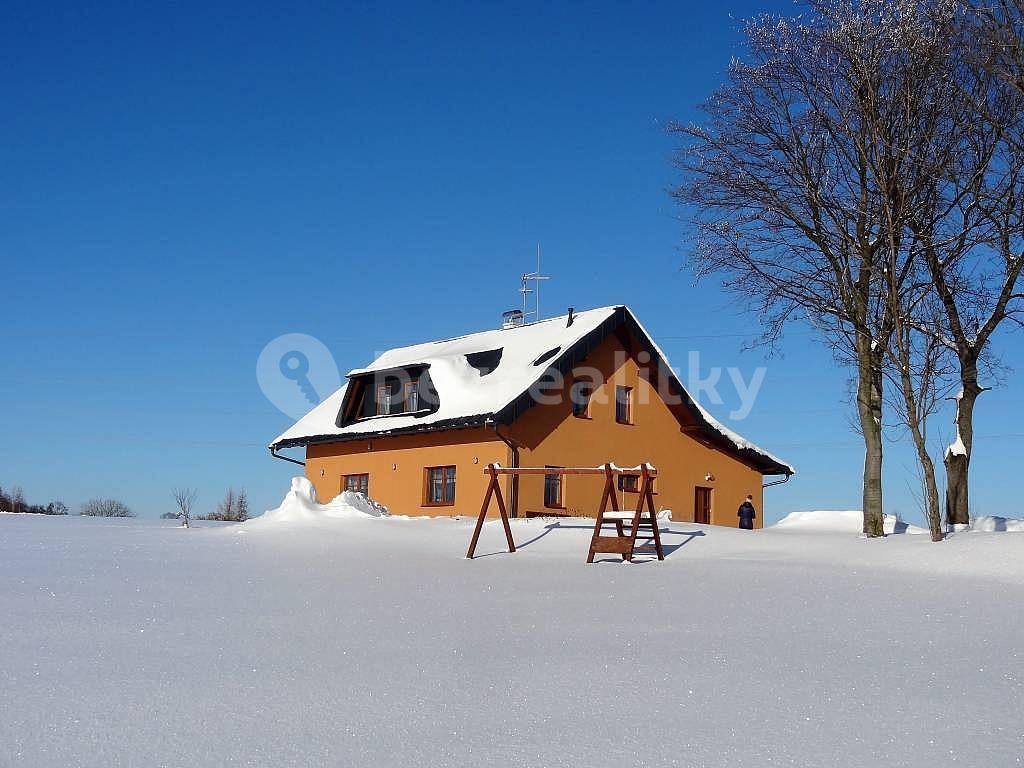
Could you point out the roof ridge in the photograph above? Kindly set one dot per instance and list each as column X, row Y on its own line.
column 497, row 330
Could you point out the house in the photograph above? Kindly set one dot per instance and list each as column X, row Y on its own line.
column 416, row 428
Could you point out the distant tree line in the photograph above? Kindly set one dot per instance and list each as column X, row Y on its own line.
column 234, row 507
column 15, row 502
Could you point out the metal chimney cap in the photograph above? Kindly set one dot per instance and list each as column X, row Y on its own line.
column 513, row 318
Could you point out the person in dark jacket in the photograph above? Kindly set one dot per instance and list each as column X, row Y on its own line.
column 747, row 513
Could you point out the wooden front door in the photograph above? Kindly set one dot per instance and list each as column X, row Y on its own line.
column 702, row 506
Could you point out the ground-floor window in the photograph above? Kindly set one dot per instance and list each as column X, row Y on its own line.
column 356, row 483
column 553, row 490
column 628, row 483
column 440, row 486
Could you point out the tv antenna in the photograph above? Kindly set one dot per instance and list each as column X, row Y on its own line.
column 532, row 277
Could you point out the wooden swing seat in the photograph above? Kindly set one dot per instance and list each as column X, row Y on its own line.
column 623, row 542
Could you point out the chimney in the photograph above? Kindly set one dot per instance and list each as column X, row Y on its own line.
column 572, row 316
column 512, row 319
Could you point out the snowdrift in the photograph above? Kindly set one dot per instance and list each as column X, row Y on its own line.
column 840, row 521
column 852, row 521
column 300, row 506
column 997, row 524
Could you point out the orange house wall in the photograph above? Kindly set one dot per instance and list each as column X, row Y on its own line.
column 549, row 435
column 396, row 468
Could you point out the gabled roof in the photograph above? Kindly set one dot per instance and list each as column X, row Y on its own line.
column 469, row 398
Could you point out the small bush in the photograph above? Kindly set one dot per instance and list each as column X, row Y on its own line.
column 106, row 508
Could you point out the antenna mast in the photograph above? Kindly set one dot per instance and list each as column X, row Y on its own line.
column 535, row 277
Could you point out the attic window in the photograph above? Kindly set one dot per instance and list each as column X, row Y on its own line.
column 391, row 393
column 547, row 356
column 485, row 362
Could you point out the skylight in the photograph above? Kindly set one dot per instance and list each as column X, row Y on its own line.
column 486, row 361
column 547, row 356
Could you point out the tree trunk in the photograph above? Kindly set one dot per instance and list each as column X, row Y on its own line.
column 931, row 488
column 958, row 455
column 956, row 489
column 869, row 409
column 914, row 419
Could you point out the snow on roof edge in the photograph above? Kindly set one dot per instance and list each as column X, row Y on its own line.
column 735, row 438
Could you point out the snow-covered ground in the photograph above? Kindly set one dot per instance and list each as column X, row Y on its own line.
column 354, row 640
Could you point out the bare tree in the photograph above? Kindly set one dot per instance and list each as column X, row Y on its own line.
column 922, row 372
column 226, row 509
column 233, row 508
column 970, row 229
column 185, row 499
column 802, row 179
column 106, row 508
column 242, row 506
column 17, row 499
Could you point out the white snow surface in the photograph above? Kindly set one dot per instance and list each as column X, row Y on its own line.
column 300, row 506
column 842, row 521
column 957, row 447
column 372, row 641
column 463, row 392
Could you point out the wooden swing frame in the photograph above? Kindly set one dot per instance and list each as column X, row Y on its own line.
column 622, row 543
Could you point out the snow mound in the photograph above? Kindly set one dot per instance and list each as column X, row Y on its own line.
column 301, row 506
column 840, row 521
column 990, row 523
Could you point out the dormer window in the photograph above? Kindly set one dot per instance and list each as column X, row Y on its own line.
column 390, row 393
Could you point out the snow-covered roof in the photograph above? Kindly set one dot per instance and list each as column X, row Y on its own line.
column 467, row 397
column 463, row 393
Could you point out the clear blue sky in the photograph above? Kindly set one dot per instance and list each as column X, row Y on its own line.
column 183, row 183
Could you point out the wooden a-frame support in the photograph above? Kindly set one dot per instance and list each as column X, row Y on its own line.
column 493, row 489
column 622, row 543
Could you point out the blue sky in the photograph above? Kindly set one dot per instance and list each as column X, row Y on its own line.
column 182, row 184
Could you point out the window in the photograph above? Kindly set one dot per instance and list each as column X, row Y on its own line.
column 628, row 483
column 412, row 395
column 553, row 490
column 624, row 405
column 391, row 394
column 440, row 486
column 383, row 399
column 356, row 483
column 581, row 400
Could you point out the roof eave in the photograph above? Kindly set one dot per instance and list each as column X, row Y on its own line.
column 463, row 422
